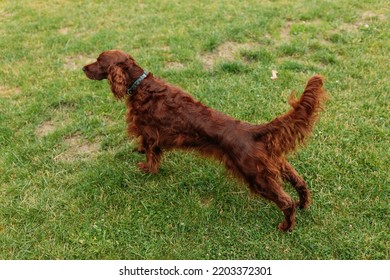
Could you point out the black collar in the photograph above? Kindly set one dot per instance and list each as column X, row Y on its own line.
column 137, row 82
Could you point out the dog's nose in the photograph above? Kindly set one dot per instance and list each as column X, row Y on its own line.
column 84, row 69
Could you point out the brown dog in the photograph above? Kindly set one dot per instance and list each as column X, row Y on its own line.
column 165, row 117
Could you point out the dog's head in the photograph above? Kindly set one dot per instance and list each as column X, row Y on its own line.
column 116, row 66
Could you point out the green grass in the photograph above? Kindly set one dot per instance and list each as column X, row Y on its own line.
column 69, row 185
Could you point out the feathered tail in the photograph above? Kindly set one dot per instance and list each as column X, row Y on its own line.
column 282, row 134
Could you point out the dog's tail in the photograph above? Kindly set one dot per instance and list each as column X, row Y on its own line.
column 284, row 133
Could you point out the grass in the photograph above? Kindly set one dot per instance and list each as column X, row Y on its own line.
column 69, row 186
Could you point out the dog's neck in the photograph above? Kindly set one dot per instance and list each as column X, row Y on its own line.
column 131, row 89
column 135, row 75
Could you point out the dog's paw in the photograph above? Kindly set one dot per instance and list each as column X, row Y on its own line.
column 144, row 167
column 285, row 226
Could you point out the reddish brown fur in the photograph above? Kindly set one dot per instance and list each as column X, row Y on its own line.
column 164, row 117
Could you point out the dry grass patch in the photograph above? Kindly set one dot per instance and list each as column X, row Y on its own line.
column 76, row 62
column 164, row 48
column 78, row 148
column 174, row 65
column 5, row 14
column 59, row 119
column 371, row 15
column 7, row 92
column 206, row 202
column 226, row 51
column 363, row 22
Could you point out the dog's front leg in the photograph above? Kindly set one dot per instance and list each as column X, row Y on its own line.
column 140, row 147
column 153, row 156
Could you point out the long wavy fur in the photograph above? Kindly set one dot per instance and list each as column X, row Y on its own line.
column 164, row 117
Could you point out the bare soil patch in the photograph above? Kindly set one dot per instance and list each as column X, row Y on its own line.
column 45, row 129
column 285, row 32
column 63, row 31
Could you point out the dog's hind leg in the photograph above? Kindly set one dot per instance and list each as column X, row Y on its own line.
column 267, row 184
column 291, row 175
column 271, row 189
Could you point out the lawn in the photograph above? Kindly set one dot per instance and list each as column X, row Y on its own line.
column 69, row 183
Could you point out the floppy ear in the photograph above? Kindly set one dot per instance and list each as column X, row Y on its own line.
column 117, row 80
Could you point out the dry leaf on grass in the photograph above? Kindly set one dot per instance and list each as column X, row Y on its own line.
column 274, row 75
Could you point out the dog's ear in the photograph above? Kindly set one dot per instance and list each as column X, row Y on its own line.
column 117, row 80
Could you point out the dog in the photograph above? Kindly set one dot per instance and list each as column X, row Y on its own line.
column 163, row 117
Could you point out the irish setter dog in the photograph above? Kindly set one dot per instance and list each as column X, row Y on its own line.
column 164, row 117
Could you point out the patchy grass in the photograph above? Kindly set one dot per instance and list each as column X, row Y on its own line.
column 69, row 185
